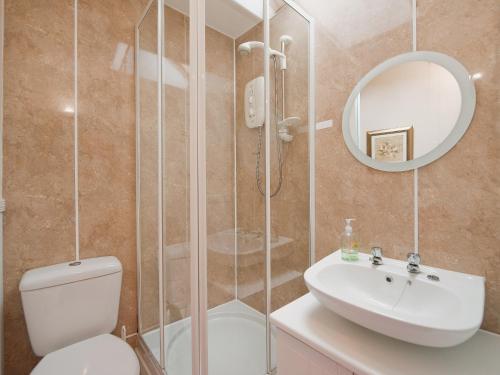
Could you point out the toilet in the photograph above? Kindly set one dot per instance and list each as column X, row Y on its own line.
column 70, row 311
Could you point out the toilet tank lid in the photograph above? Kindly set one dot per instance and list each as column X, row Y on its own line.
column 65, row 273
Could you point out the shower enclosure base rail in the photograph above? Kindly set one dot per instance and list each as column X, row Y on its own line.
column 236, row 334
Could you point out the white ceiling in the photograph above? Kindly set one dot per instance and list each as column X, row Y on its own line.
column 230, row 17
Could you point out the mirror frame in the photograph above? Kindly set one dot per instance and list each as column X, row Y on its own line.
column 468, row 96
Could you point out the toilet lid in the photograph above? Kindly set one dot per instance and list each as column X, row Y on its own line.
column 100, row 355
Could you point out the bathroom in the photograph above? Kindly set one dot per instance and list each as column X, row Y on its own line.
column 207, row 182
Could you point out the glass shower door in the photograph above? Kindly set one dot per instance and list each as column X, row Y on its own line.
column 225, row 132
column 163, row 185
column 292, row 148
column 176, row 181
column 235, row 210
column 148, row 192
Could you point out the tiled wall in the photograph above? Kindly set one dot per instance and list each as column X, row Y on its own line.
column 39, row 101
column 38, row 147
column 458, row 193
column 459, row 214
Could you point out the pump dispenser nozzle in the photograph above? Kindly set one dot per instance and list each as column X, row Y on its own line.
column 349, row 243
column 348, row 225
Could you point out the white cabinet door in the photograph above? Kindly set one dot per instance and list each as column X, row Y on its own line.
column 297, row 358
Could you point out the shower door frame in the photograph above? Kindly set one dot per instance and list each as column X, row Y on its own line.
column 158, row 366
column 197, row 170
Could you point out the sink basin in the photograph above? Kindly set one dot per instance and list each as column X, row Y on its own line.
column 389, row 300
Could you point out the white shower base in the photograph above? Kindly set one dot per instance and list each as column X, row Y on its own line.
column 236, row 342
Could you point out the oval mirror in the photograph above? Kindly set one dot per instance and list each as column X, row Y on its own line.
column 409, row 111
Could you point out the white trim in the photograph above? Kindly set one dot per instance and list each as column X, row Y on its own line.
column 267, row 148
column 415, row 211
column 2, row 201
column 312, row 136
column 196, row 321
column 202, row 187
column 144, row 13
column 235, row 177
column 159, row 97
column 468, row 93
column 323, row 125
column 75, row 131
column 138, row 178
column 415, row 171
column 414, row 25
column 357, row 114
column 138, row 162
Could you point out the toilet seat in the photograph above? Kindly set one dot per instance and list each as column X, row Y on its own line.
column 101, row 355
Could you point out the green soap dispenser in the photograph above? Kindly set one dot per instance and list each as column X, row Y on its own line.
column 349, row 243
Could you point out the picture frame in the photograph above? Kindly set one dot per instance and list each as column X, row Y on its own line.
column 390, row 145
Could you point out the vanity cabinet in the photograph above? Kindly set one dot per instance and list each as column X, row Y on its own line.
column 297, row 358
column 312, row 340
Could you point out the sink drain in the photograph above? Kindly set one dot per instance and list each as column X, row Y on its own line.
column 388, row 279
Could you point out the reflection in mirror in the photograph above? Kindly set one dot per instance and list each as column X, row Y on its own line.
column 409, row 111
column 406, row 111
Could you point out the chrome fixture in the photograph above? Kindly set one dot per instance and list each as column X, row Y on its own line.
column 282, row 123
column 433, row 277
column 376, row 257
column 413, row 263
column 245, row 48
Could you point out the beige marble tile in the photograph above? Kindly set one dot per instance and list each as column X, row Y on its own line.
column 38, row 139
column 381, row 202
column 38, row 155
column 459, row 234
column 459, row 193
column 106, row 119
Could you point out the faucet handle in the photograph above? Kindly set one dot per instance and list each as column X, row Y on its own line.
column 413, row 263
column 376, row 257
column 414, row 259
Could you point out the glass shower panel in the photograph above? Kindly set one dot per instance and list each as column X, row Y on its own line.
column 163, row 185
column 176, row 192
column 240, row 340
column 236, row 323
column 147, row 142
column 289, row 141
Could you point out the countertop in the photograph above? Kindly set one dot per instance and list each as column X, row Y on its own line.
column 366, row 352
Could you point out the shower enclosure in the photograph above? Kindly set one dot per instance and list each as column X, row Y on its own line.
column 225, row 179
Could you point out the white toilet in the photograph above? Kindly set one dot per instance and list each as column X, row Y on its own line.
column 70, row 310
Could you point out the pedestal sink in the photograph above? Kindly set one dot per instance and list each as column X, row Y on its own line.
column 436, row 307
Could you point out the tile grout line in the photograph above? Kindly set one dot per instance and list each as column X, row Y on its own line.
column 75, row 131
column 235, row 177
column 415, row 171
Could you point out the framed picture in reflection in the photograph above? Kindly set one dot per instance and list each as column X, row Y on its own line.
column 390, row 145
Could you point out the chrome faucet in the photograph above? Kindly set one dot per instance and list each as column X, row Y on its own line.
column 376, row 257
column 413, row 263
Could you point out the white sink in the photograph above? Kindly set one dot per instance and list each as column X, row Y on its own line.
column 391, row 301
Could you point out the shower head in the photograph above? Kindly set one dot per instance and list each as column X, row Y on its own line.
column 245, row 48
